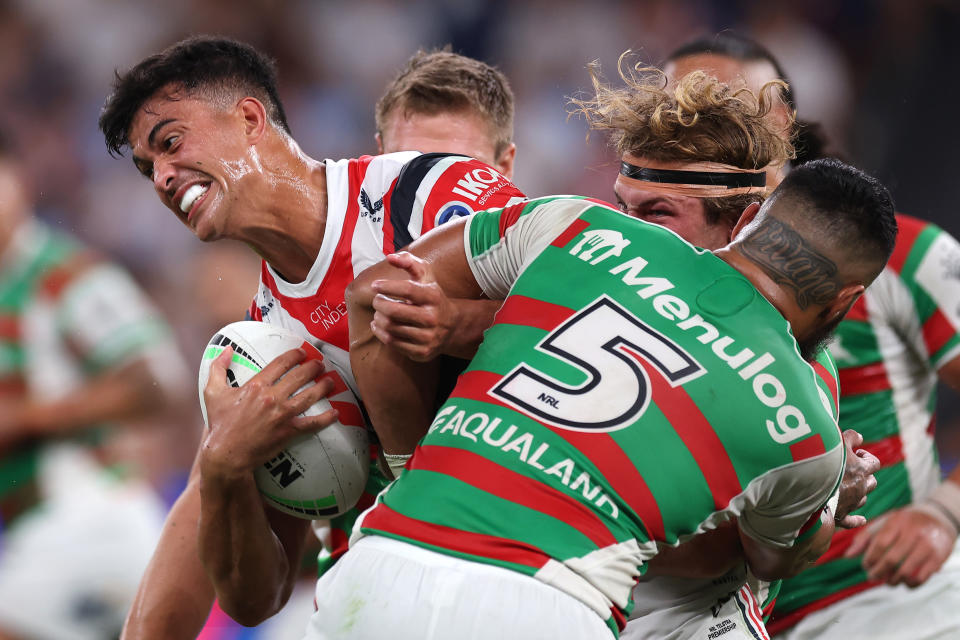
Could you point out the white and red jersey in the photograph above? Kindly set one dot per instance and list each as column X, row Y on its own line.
column 375, row 205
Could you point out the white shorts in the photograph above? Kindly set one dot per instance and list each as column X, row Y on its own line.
column 695, row 610
column 384, row 588
column 931, row 611
column 69, row 568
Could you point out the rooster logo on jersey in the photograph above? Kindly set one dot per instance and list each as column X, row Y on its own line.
column 368, row 208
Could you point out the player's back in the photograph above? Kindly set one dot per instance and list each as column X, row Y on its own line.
column 633, row 389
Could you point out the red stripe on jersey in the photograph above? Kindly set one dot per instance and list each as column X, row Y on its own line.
column 323, row 312
column 618, row 618
column 937, row 331
column 388, row 234
column 868, row 378
column 340, row 538
column 468, row 178
column 830, row 381
column 889, row 450
column 753, row 613
column 858, row 312
column 312, row 352
column 809, row 524
column 487, row 475
column 604, row 203
column 339, row 542
column 839, row 543
column 932, row 427
column 807, row 448
column 570, row 233
column 510, row 215
column 530, row 312
column 768, row 610
column 701, row 440
column 13, row 385
column 57, row 279
column 385, row 519
column 339, row 386
column 602, row 450
column 784, row 622
column 9, row 328
column 348, row 414
column 907, row 231
column 254, row 310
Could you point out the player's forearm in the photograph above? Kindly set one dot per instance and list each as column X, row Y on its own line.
column 246, row 563
column 708, row 555
column 175, row 595
column 473, row 317
column 777, row 563
column 126, row 393
column 397, row 392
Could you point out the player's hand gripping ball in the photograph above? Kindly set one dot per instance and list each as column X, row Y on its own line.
column 318, row 475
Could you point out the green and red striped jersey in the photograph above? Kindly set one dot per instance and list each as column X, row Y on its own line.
column 633, row 390
column 888, row 350
column 66, row 315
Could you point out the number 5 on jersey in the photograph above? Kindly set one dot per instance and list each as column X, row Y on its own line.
column 605, row 342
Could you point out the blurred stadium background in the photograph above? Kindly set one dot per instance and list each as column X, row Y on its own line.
column 878, row 74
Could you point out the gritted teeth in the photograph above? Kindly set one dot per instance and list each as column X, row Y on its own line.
column 191, row 196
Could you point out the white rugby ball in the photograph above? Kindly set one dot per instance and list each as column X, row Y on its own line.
column 318, row 475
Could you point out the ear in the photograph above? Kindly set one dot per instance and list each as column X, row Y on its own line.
column 379, row 139
column 504, row 163
column 745, row 218
column 843, row 301
column 254, row 116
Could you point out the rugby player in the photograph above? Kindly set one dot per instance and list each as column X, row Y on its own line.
column 84, row 352
column 443, row 101
column 564, row 453
column 205, row 125
column 901, row 573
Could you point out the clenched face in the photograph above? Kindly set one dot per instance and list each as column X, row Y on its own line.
column 684, row 215
column 197, row 155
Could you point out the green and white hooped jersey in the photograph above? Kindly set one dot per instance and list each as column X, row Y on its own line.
column 66, row 315
column 633, row 390
column 888, row 350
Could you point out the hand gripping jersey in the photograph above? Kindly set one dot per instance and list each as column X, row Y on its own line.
column 888, row 350
column 670, row 608
column 375, row 205
column 634, row 389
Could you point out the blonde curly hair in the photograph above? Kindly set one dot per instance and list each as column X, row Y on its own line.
column 698, row 119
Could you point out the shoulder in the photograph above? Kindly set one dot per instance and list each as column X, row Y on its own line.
column 916, row 238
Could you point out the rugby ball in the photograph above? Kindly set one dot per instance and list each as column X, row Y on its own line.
column 318, row 475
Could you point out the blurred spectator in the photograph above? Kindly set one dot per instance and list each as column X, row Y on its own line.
column 81, row 348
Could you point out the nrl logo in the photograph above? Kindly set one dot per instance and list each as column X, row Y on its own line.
column 599, row 244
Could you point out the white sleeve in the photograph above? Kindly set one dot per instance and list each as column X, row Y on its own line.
column 110, row 321
column 500, row 243
column 781, row 501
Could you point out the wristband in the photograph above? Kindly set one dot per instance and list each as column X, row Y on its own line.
column 396, row 462
column 945, row 501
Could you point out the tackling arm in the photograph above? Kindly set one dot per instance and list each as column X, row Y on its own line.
column 770, row 563
column 397, row 391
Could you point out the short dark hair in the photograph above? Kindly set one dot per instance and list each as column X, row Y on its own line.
column 845, row 204
column 809, row 140
column 441, row 81
column 200, row 63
